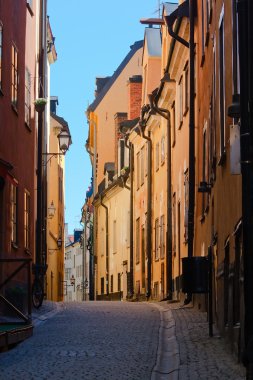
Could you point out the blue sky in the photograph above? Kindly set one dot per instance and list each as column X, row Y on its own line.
column 91, row 38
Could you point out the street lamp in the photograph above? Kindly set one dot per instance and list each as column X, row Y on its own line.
column 64, row 139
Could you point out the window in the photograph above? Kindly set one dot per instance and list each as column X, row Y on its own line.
column 222, row 88
column 212, row 121
column 173, row 125
column 119, row 282
column 181, row 102
column 174, row 226
column 121, row 153
column 162, row 150
column 138, row 171
column 14, row 76
column 137, row 242
column 102, row 280
column 128, row 229
column 27, row 212
column 146, row 161
column 186, row 89
column 143, row 253
column 114, row 248
column 1, row 51
column 162, row 240
column 205, row 165
column 226, row 281
column 186, row 204
column 14, row 199
column 157, row 239
column 142, row 165
column 157, row 156
column 237, row 275
column 202, row 33
column 27, row 97
column 112, row 283
column 235, row 56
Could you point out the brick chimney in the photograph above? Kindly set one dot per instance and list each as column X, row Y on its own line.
column 135, row 93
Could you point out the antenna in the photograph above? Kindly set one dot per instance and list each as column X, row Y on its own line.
column 159, row 9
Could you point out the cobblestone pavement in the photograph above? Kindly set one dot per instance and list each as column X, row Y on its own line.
column 90, row 340
column 201, row 357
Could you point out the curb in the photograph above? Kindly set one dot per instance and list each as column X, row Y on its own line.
column 37, row 318
column 168, row 358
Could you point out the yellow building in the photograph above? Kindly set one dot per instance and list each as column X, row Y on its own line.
column 108, row 154
column 56, row 202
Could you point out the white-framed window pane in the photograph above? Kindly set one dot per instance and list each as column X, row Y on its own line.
column 14, row 214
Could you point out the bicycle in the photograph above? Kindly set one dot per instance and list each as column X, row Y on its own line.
column 39, row 272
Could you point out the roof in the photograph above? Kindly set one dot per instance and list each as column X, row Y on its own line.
column 170, row 7
column 62, row 121
column 134, row 48
column 153, row 41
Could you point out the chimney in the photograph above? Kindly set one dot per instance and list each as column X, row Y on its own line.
column 53, row 104
column 135, row 93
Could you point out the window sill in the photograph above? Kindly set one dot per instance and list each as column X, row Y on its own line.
column 202, row 218
column 186, row 111
column 14, row 245
column 27, row 251
column 202, row 60
column 222, row 159
column 207, row 38
column 28, row 127
column 14, row 108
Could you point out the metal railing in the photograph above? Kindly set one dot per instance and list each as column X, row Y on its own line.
column 18, row 265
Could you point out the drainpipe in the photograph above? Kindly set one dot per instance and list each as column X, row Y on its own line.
column 106, row 245
column 131, row 279
column 166, row 114
column 93, row 249
column 142, row 125
column 191, row 203
column 245, row 12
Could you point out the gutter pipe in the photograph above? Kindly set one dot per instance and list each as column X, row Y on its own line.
column 106, row 244
column 142, row 125
column 166, row 114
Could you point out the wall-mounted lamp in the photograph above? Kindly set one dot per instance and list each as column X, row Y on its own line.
column 59, row 242
column 51, row 210
column 64, row 139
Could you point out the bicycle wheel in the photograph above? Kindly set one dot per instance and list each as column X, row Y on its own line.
column 37, row 293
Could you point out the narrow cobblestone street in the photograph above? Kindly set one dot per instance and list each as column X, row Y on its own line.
column 98, row 340
column 120, row 340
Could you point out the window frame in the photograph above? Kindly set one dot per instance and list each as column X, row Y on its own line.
column 27, row 220
column 162, row 237
column 27, row 97
column 157, row 245
column 222, row 87
column 14, row 76
column 137, row 241
column 1, row 56
column 14, row 214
